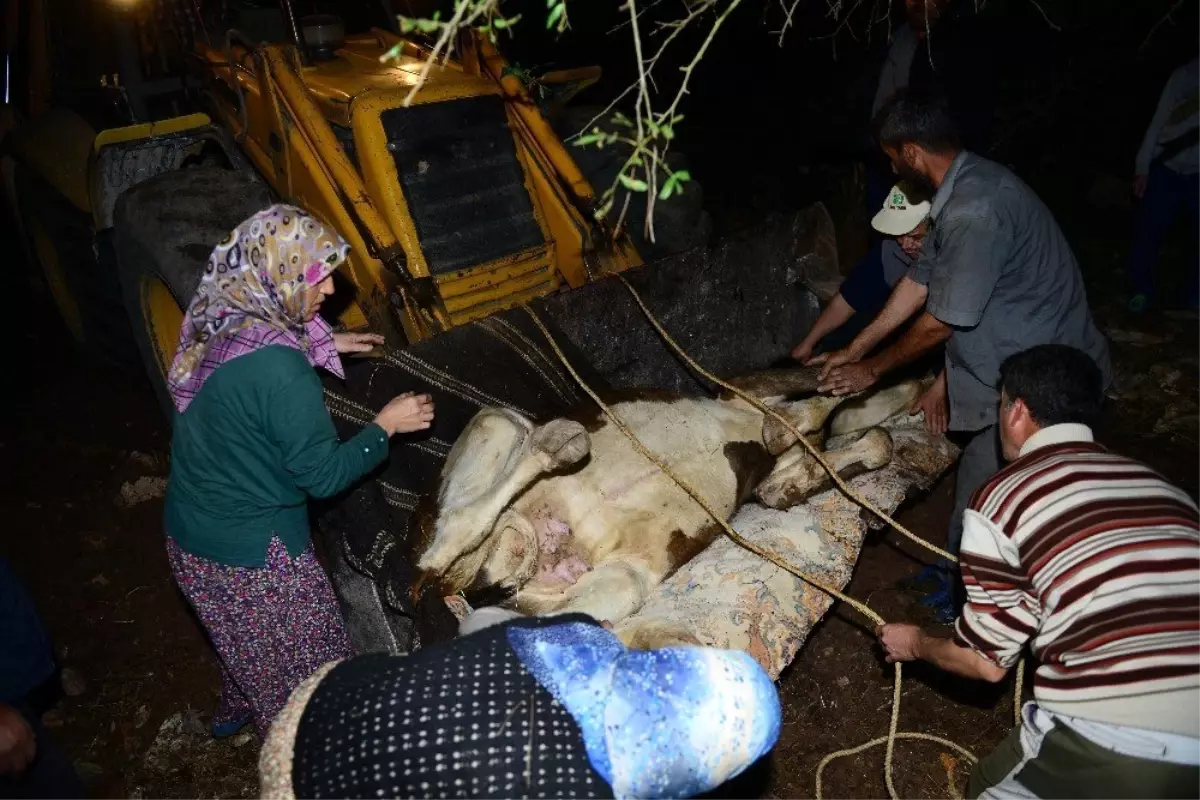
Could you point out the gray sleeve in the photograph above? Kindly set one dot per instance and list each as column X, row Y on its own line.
column 922, row 269
column 970, row 255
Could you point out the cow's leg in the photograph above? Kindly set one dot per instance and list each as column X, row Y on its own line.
column 612, row 590
column 797, row 475
column 497, row 457
column 808, row 416
column 867, row 411
column 652, row 634
column 777, row 383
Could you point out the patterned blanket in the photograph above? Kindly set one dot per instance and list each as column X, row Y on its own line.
column 731, row 598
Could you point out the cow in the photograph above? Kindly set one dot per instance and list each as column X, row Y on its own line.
column 566, row 516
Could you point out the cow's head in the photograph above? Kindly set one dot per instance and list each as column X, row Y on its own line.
column 498, row 455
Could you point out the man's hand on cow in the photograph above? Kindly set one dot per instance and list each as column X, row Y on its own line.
column 900, row 642
column 832, row 360
column 848, row 379
column 803, row 353
column 935, row 405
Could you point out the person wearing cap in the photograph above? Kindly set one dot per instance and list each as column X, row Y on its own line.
column 863, row 294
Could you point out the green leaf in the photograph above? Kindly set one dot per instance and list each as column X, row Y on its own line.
column 632, row 184
column 591, row 138
column 621, row 119
column 556, row 14
column 392, row 54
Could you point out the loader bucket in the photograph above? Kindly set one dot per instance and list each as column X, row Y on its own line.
column 736, row 307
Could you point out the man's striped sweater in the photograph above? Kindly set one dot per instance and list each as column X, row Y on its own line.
column 1094, row 560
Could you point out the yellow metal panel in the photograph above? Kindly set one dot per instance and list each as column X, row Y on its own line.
column 56, row 146
column 147, row 130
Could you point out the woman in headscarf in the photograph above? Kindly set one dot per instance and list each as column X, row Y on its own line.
column 524, row 707
column 252, row 442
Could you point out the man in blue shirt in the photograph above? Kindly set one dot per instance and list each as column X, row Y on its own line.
column 865, row 290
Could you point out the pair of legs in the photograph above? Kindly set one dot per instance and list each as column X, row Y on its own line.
column 272, row 627
column 1168, row 194
column 979, row 461
column 1045, row 759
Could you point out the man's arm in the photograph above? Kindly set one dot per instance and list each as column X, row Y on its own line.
column 924, row 335
column 1145, row 153
column 833, row 317
column 910, row 643
column 904, row 301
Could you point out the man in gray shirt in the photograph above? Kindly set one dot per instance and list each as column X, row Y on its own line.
column 996, row 276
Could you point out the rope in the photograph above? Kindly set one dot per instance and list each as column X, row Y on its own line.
column 837, row 479
column 893, row 734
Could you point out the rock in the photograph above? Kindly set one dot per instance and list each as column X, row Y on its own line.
column 73, row 684
column 180, row 738
column 1139, row 338
column 147, row 487
column 141, row 716
column 1167, row 377
column 243, row 738
column 144, row 460
column 88, row 772
column 1179, row 417
column 99, row 580
column 843, row 681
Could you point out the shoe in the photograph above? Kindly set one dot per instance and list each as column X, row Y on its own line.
column 1138, row 303
column 931, row 578
column 224, row 730
column 945, row 614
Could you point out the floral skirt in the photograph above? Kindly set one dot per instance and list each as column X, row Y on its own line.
column 272, row 626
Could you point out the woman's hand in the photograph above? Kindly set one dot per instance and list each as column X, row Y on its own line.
column 936, row 406
column 356, row 342
column 406, row 413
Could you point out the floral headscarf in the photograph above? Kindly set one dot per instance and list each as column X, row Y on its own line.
column 252, row 295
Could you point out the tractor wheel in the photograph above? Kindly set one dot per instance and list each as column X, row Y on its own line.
column 164, row 230
column 680, row 223
column 58, row 244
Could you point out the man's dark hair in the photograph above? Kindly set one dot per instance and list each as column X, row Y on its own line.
column 919, row 118
column 1057, row 383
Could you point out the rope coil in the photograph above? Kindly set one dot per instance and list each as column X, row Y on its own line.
column 893, row 733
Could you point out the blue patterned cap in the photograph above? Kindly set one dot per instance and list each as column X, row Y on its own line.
column 667, row 723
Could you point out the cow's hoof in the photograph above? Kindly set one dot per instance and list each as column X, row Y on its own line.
column 654, row 635
column 566, row 442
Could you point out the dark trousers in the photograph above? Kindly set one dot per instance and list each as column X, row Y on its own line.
column 1167, row 195
column 50, row 774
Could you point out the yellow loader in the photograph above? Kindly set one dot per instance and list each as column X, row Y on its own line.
column 461, row 204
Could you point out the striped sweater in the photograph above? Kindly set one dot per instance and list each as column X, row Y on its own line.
column 1094, row 560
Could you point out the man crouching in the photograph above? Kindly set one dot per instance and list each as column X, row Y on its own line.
column 1093, row 559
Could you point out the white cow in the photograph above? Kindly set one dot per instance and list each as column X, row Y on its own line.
column 567, row 517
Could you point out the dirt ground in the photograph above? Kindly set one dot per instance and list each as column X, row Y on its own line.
column 86, row 457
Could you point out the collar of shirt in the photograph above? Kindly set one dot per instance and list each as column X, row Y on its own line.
column 1057, row 434
column 942, row 195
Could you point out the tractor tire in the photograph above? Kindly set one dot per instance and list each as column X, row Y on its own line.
column 58, row 242
column 164, row 230
column 680, row 223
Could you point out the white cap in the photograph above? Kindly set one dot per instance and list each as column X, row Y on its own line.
column 898, row 216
